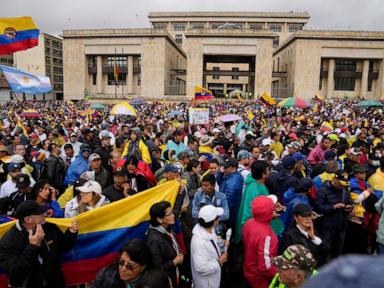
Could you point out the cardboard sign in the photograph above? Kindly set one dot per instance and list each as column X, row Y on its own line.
column 198, row 116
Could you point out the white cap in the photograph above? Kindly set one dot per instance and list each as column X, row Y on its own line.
column 197, row 134
column 88, row 175
column 104, row 134
column 16, row 158
column 273, row 198
column 209, row 213
column 90, row 186
column 266, row 142
column 215, row 130
column 94, row 156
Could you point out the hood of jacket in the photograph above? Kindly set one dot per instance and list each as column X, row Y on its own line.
column 262, row 209
column 200, row 232
column 289, row 195
column 249, row 179
column 283, row 174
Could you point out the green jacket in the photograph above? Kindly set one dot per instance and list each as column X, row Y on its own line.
column 276, row 281
column 252, row 190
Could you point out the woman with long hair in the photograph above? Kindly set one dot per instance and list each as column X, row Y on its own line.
column 46, row 195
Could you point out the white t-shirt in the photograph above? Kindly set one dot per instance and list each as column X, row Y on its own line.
column 9, row 187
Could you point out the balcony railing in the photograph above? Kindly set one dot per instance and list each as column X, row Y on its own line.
column 92, row 69
column 373, row 74
column 348, row 74
column 279, row 74
column 324, row 73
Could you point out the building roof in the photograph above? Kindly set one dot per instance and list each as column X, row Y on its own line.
column 291, row 14
column 331, row 35
column 232, row 33
column 120, row 33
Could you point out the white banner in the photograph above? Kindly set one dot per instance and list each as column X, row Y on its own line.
column 198, row 116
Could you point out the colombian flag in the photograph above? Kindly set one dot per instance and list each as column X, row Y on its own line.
column 103, row 231
column 17, row 34
column 203, row 94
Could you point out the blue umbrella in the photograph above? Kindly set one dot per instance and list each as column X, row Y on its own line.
column 137, row 102
column 173, row 113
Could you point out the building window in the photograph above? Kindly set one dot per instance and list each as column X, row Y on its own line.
column 215, row 76
column 58, row 70
column 238, row 25
column 295, row 27
column 216, row 25
column 256, row 26
column 235, row 69
column 122, row 79
column 47, row 60
column 345, row 83
column 160, row 26
column 274, row 27
column 198, row 25
column 94, row 79
column 179, row 26
column 179, row 38
column 93, row 60
column 120, row 60
column 47, row 50
column 276, row 42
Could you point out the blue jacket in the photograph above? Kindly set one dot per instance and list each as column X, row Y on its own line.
column 291, row 199
column 78, row 167
column 218, row 200
column 232, row 186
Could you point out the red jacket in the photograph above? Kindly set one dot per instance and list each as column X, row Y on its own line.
column 260, row 244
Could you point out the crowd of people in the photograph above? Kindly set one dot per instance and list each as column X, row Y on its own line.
column 264, row 201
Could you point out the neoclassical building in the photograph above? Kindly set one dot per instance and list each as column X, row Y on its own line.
column 254, row 52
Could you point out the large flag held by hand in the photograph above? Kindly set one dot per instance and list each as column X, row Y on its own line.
column 23, row 82
column 17, row 34
column 104, row 231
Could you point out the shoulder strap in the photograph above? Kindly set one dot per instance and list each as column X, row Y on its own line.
column 217, row 251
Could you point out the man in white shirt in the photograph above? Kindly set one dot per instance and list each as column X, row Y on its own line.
column 75, row 144
column 9, row 186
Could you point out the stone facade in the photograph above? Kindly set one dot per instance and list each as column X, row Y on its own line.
column 309, row 61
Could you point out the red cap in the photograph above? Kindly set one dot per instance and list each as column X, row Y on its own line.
column 344, row 129
column 33, row 135
column 293, row 136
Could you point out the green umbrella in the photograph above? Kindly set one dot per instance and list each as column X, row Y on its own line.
column 98, row 106
column 370, row 103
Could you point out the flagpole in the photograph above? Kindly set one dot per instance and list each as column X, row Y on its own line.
column 122, row 84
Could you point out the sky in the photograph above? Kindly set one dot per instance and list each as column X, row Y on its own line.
column 54, row 16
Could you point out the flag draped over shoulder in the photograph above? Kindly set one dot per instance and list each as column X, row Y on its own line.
column 103, row 231
column 17, row 34
column 23, row 82
column 203, row 94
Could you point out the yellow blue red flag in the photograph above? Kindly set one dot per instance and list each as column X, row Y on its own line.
column 103, row 232
column 203, row 94
column 17, row 34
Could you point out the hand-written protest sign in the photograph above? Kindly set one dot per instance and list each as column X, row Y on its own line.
column 198, row 116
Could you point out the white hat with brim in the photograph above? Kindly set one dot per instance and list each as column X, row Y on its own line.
column 209, row 213
column 205, row 140
column 90, row 186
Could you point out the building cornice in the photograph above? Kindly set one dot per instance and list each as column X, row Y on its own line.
column 303, row 15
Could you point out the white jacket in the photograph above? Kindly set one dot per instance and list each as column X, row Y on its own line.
column 206, row 269
column 71, row 207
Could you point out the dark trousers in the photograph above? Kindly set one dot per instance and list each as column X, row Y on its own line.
column 334, row 241
column 356, row 239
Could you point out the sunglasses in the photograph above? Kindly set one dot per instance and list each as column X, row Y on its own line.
column 128, row 266
column 87, row 151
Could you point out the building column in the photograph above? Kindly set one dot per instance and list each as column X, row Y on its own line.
column 99, row 75
column 130, row 75
column 379, row 87
column 364, row 79
column 331, row 72
column 225, row 89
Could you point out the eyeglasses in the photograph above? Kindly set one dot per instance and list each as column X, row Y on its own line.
column 87, row 151
column 128, row 266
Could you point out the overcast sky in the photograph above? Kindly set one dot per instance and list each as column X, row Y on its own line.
column 54, row 16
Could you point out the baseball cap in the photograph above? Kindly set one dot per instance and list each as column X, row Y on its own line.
column 23, row 181
column 266, row 142
column 302, row 210
column 293, row 136
column 243, row 154
column 352, row 271
column 294, row 144
column 230, row 162
column 14, row 166
column 29, row 208
column 17, row 159
column 333, row 137
column 171, row 168
column 216, row 130
column 298, row 156
column 120, row 171
column 90, row 186
column 288, row 162
column 304, row 185
column 295, row 257
column 73, row 134
column 342, row 176
column 355, row 151
column 209, row 213
column 359, row 169
column 104, row 134
column 94, row 157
